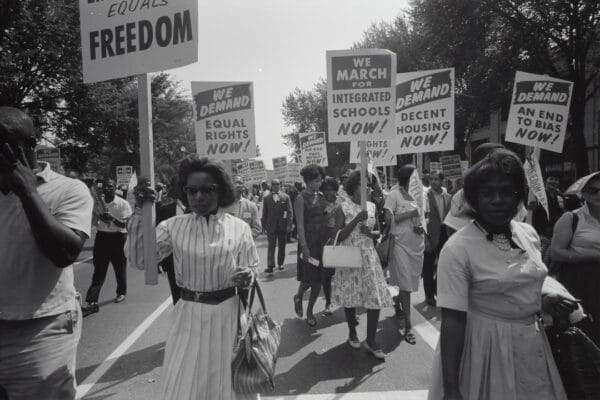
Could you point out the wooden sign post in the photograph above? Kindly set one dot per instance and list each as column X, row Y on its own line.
column 364, row 160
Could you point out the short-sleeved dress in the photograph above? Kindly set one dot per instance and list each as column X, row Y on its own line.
column 366, row 286
column 406, row 263
column 316, row 234
column 200, row 342
column 506, row 355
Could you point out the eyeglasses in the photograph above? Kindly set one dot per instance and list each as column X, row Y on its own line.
column 592, row 190
column 206, row 190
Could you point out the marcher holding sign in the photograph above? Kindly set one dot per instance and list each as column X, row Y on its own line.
column 361, row 93
column 425, row 111
column 313, row 148
column 224, row 119
column 539, row 111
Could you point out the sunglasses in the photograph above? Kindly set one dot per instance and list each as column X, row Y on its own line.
column 592, row 190
column 205, row 190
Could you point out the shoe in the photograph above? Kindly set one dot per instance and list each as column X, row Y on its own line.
column 409, row 337
column 120, row 298
column 268, row 270
column 311, row 321
column 90, row 308
column 328, row 310
column 280, row 268
column 378, row 354
column 431, row 302
column 354, row 343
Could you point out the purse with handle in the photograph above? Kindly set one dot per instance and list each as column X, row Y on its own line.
column 255, row 355
column 336, row 256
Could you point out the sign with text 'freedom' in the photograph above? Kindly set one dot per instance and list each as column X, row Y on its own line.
column 539, row 111
column 224, row 119
column 361, row 92
column 122, row 38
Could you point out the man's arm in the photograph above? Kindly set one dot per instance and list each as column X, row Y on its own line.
column 265, row 213
column 290, row 216
column 255, row 222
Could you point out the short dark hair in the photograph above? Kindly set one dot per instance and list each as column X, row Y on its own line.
column 501, row 162
column 312, row 172
column 352, row 183
column 193, row 163
column 437, row 173
column 16, row 127
column 483, row 150
column 403, row 174
column 330, row 183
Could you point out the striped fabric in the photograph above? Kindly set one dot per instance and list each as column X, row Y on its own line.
column 200, row 343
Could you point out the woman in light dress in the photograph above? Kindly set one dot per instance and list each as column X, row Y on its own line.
column 359, row 287
column 406, row 262
column 490, row 277
column 214, row 253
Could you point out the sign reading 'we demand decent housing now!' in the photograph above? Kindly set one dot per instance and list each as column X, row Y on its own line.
column 131, row 37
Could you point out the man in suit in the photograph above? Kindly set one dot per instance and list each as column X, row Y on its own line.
column 277, row 222
column 437, row 207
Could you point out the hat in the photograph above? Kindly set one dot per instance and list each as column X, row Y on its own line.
column 579, row 184
column 275, row 182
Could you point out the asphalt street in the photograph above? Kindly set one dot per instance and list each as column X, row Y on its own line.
column 122, row 346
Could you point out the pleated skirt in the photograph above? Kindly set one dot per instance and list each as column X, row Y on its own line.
column 199, row 352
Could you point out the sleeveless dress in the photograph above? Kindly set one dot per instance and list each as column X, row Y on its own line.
column 316, row 234
column 366, row 286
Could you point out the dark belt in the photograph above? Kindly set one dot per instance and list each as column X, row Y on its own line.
column 215, row 297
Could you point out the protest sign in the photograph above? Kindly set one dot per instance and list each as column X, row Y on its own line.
column 293, row 172
column 535, row 180
column 361, row 92
column 415, row 189
column 256, row 172
column 451, row 166
column 435, row 166
column 539, row 111
column 51, row 155
column 125, row 38
column 464, row 166
column 124, row 173
column 280, row 168
column 224, row 119
column 424, row 111
column 243, row 170
column 313, row 148
column 379, row 151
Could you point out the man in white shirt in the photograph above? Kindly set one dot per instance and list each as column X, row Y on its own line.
column 108, row 246
column 244, row 208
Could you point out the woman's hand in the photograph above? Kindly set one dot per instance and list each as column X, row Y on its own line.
column 305, row 251
column 365, row 230
column 558, row 306
column 242, row 277
column 143, row 192
column 361, row 216
column 418, row 229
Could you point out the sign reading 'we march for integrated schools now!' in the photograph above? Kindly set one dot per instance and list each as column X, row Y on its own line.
column 425, row 111
column 361, row 92
column 313, row 147
column 224, row 119
column 131, row 37
column 539, row 111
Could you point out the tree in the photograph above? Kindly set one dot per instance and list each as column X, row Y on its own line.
column 306, row 111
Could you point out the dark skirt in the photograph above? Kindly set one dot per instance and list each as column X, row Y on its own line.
column 316, row 237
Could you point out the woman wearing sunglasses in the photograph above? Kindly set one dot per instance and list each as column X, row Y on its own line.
column 213, row 253
column 578, row 253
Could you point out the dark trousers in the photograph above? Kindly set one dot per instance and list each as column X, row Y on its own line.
column 108, row 248
column 430, row 267
column 277, row 238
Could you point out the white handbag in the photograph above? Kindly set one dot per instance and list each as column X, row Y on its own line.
column 341, row 256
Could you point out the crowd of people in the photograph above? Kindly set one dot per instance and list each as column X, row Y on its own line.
column 484, row 255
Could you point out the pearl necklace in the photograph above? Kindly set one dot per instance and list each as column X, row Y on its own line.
column 501, row 242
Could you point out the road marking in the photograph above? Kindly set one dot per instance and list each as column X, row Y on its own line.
column 391, row 395
column 425, row 329
column 95, row 376
column 83, row 261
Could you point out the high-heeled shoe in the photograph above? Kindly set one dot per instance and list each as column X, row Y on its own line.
column 378, row 354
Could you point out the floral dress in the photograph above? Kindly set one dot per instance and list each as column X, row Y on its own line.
column 366, row 286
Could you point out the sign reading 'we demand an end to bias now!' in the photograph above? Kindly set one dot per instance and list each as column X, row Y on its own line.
column 122, row 38
column 224, row 119
column 361, row 92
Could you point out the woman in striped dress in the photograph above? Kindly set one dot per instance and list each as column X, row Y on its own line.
column 213, row 254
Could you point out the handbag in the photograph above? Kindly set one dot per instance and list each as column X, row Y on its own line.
column 384, row 248
column 335, row 256
column 255, row 355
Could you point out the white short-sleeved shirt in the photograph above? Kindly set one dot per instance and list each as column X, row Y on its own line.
column 474, row 275
column 31, row 285
column 121, row 210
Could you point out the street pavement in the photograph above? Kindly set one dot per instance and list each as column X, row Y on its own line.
column 122, row 346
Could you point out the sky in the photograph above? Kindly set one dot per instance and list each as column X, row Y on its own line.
column 279, row 45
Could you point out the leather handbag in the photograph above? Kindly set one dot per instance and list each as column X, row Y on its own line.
column 335, row 256
column 384, row 249
column 255, row 355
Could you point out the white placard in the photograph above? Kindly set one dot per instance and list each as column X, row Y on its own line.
column 380, row 153
column 535, row 180
column 293, row 172
column 51, row 155
column 313, row 148
column 224, row 119
column 126, row 38
column 361, row 92
column 280, row 168
column 124, row 173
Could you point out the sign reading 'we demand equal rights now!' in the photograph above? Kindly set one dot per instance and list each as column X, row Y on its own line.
column 122, row 38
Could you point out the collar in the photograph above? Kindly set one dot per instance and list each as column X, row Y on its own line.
column 45, row 174
column 216, row 215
